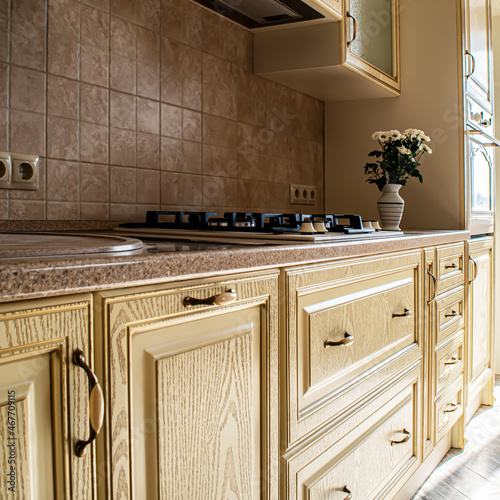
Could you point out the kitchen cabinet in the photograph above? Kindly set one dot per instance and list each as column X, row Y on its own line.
column 191, row 386
column 44, row 401
column 352, row 348
column 445, row 319
column 479, row 373
column 356, row 58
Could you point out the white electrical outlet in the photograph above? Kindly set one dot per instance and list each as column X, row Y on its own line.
column 5, row 170
column 24, row 171
column 302, row 195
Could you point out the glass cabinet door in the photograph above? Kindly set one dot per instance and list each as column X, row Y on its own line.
column 372, row 34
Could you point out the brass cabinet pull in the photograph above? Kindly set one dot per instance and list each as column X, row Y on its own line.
column 451, row 266
column 452, row 314
column 348, row 340
column 348, row 491
column 454, row 407
column 475, row 269
column 217, row 300
column 355, row 28
column 435, row 286
column 452, row 361
column 407, row 313
column 473, row 63
column 96, row 403
column 405, row 439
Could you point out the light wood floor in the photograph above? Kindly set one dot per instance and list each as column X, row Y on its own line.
column 473, row 473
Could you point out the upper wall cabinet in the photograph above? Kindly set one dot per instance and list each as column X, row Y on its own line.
column 478, row 54
column 356, row 58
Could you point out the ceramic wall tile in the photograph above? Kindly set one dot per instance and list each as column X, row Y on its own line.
column 63, row 56
column 94, row 104
column 94, row 65
column 93, row 143
column 4, row 40
column 27, row 45
column 64, row 17
column 57, row 210
column 27, row 89
column 62, row 138
column 122, row 184
column 95, row 27
column 94, row 183
column 26, row 132
column 63, row 180
column 62, row 97
column 28, row 11
column 148, row 151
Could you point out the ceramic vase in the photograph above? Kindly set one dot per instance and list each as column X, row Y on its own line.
column 390, row 207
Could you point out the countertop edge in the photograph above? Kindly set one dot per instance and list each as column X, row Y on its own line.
column 23, row 279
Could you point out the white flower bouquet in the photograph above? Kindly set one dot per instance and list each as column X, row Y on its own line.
column 400, row 157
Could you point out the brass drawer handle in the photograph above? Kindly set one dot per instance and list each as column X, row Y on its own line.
column 452, row 314
column 217, row 300
column 454, row 407
column 473, row 63
column 355, row 28
column 435, row 286
column 453, row 361
column 475, row 269
column 348, row 491
column 348, row 340
column 451, row 266
column 96, row 403
column 407, row 313
column 405, row 439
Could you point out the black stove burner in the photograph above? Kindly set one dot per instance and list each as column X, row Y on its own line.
column 248, row 222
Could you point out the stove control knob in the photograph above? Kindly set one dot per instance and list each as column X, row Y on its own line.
column 319, row 226
column 367, row 224
column 376, row 225
column 307, row 227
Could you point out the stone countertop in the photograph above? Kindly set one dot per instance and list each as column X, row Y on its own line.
column 166, row 261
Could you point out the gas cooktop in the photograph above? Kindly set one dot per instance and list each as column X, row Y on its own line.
column 253, row 228
column 252, row 222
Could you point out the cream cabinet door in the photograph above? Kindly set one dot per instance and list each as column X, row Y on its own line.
column 478, row 54
column 192, row 409
column 44, row 400
column 479, row 366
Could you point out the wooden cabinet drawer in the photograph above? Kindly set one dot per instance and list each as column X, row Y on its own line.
column 449, row 362
column 450, row 266
column 449, row 408
column 367, row 462
column 350, row 326
column 450, row 310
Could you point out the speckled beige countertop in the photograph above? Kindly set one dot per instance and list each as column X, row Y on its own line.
column 168, row 261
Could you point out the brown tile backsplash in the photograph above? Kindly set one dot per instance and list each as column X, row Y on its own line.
column 137, row 105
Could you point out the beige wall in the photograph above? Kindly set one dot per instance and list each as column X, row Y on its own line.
column 136, row 105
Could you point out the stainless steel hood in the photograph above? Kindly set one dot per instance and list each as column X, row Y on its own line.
column 263, row 13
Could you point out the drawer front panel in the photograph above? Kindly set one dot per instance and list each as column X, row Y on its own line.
column 450, row 266
column 449, row 408
column 449, row 362
column 376, row 302
column 366, row 317
column 365, row 466
column 450, row 310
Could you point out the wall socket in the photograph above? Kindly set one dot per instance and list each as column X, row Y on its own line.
column 302, row 195
column 18, row 171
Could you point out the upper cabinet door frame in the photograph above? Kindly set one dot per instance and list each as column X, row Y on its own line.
column 477, row 52
column 353, row 29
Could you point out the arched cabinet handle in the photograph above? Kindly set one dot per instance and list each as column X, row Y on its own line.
column 451, row 407
column 452, row 361
column 475, row 269
column 347, row 340
column 453, row 265
column 221, row 299
column 452, row 314
column 407, row 313
column 355, row 28
column 96, row 403
column 404, row 440
column 435, row 286
column 473, row 63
